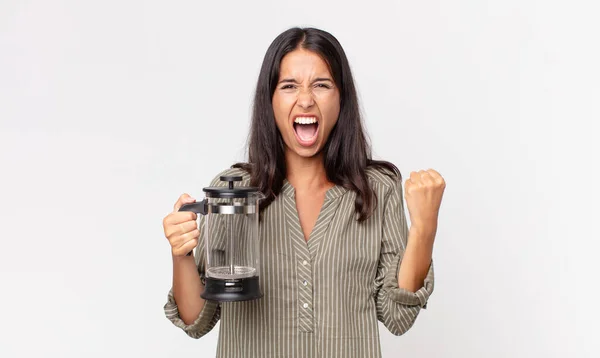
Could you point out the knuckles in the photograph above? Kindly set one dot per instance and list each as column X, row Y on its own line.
column 173, row 226
column 424, row 180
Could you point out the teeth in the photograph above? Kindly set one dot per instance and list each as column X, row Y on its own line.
column 305, row 120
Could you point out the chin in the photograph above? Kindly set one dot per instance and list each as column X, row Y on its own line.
column 307, row 152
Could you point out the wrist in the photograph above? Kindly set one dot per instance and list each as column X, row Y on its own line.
column 183, row 258
column 423, row 232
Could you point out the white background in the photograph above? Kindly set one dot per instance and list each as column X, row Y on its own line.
column 111, row 109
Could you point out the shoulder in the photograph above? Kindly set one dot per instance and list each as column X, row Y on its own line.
column 216, row 180
column 387, row 184
column 383, row 178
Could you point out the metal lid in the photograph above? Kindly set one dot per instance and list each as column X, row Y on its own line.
column 230, row 191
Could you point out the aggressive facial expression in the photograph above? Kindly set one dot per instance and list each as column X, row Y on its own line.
column 306, row 102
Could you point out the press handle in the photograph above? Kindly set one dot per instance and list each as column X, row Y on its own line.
column 199, row 207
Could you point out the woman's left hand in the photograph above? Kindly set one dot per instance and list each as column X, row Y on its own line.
column 423, row 192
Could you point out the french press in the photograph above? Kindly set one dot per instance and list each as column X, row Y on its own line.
column 230, row 229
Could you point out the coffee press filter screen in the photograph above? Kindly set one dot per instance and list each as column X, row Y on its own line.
column 228, row 272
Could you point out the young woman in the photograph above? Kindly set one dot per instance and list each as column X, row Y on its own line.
column 337, row 255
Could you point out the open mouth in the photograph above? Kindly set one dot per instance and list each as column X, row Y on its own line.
column 306, row 129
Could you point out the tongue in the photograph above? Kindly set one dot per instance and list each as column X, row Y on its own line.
column 306, row 131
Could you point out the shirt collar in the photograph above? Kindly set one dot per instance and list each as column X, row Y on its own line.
column 332, row 193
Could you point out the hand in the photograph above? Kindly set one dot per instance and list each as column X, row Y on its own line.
column 181, row 228
column 423, row 193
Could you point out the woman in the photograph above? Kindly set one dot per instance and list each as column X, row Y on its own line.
column 337, row 255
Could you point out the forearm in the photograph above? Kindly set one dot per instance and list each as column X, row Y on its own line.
column 187, row 288
column 417, row 259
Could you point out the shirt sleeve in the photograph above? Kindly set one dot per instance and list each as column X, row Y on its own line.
column 210, row 313
column 204, row 323
column 397, row 308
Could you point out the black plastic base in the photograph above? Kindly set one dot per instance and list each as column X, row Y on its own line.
column 242, row 289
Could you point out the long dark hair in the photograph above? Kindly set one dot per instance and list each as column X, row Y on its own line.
column 347, row 153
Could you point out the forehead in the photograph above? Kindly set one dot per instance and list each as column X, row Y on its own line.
column 301, row 62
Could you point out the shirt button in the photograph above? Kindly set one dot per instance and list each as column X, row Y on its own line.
column 305, row 305
column 304, row 262
column 304, row 283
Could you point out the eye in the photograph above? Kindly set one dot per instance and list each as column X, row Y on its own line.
column 322, row 85
column 287, row 87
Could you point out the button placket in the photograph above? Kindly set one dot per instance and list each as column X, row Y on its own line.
column 305, row 295
column 303, row 263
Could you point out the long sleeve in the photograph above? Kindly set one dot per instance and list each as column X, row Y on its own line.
column 210, row 314
column 397, row 308
column 206, row 321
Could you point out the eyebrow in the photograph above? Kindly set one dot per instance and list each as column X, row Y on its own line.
column 293, row 80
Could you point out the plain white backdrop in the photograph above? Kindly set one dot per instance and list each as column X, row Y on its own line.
column 110, row 110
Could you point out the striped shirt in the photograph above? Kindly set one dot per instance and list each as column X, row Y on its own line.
column 322, row 297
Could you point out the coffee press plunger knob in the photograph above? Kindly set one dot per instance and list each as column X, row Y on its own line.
column 231, row 179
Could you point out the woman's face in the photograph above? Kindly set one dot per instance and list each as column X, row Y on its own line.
column 306, row 102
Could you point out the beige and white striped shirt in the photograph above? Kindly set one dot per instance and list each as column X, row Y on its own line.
column 322, row 297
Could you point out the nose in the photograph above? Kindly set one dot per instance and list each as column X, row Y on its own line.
column 305, row 99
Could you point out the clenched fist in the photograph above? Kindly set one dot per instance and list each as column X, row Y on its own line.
column 181, row 228
column 423, row 192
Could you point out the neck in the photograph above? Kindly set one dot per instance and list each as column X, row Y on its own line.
column 306, row 173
